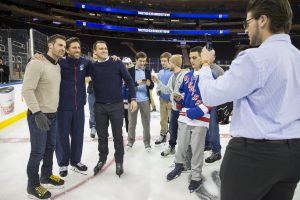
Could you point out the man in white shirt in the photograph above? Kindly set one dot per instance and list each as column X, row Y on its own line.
column 262, row 160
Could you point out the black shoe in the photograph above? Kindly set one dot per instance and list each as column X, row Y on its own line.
column 194, row 185
column 119, row 169
column 52, row 182
column 98, row 167
column 161, row 139
column 175, row 172
column 63, row 171
column 213, row 157
column 81, row 167
column 38, row 192
column 207, row 148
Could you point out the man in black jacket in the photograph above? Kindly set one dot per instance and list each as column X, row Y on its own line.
column 143, row 83
column 4, row 72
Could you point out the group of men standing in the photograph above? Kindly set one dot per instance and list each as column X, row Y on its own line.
column 55, row 93
column 56, row 97
column 265, row 124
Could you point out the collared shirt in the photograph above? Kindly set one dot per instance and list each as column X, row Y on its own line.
column 264, row 84
column 102, row 61
column 141, row 90
column 54, row 62
column 164, row 76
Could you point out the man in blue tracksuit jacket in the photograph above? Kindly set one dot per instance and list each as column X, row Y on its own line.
column 70, row 115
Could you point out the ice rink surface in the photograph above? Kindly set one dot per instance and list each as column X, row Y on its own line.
column 144, row 175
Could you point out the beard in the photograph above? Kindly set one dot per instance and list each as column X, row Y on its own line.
column 74, row 55
column 58, row 53
column 256, row 38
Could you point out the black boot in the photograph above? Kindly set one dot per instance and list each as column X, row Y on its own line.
column 38, row 192
column 119, row 169
column 194, row 185
column 175, row 172
column 98, row 167
column 213, row 157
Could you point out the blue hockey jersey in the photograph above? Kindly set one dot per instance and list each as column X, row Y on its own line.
column 192, row 110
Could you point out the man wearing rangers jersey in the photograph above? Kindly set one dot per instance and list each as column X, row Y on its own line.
column 193, row 123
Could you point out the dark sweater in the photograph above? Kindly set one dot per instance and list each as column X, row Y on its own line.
column 107, row 81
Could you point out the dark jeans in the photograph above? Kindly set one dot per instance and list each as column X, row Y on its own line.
column 260, row 171
column 69, row 141
column 213, row 135
column 173, row 128
column 42, row 148
column 91, row 101
column 126, row 119
column 105, row 113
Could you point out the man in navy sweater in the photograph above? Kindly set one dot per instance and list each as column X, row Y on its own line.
column 107, row 78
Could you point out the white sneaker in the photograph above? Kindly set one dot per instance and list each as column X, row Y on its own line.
column 128, row 147
column 63, row 171
column 93, row 132
column 169, row 151
column 148, row 149
column 63, row 168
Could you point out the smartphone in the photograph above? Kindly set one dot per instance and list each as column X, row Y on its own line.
column 208, row 41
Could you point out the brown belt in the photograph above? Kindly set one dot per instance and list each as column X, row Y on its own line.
column 252, row 141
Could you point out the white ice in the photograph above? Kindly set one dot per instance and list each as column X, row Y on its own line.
column 144, row 177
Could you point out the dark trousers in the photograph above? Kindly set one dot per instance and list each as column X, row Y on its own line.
column 42, row 148
column 126, row 119
column 105, row 113
column 213, row 135
column 173, row 128
column 91, row 101
column 70, row 125
column 260, row 171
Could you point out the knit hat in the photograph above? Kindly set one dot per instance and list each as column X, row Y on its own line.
column 176, row 59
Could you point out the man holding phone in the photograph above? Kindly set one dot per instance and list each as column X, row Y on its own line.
column 262, row 158
column 142, row 79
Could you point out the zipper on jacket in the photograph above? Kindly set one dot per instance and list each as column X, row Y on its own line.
column 75, row 86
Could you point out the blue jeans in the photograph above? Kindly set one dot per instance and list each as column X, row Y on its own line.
column 173, row 128
column 91, row 100
column 42, row 148
column 213, row 135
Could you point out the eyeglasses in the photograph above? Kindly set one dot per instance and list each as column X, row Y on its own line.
column 247, row 22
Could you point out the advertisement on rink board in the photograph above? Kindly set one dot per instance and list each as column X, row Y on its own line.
column 11, row 101
column 7, row 100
